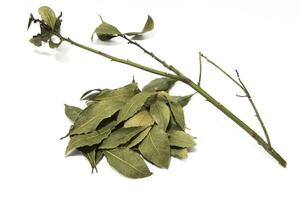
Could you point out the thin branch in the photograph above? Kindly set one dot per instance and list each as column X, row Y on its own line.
column 219, row 68
column 200, row 68
column 170, row 67
column 254, row 108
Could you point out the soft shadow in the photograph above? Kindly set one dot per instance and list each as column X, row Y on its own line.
column 43, row 53
column 61, row 54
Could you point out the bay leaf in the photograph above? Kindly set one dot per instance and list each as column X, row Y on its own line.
column 133, row 105
column 106, row 31
column 149, row 25
column 183, row 100
column 48, row 16
column 181, row 139
column 127, row 162
column 155, row 147
column 90, row 139
column 119, row 137
column 181, row 153
column 87, row 94
column 161, row 114
column 91, row 117
column 121, row 94
column 89, row 152
column 173, row 124
column 142, row 118
column 178, row 114
column 159, row 84
column 139, row 138
column 72, row 112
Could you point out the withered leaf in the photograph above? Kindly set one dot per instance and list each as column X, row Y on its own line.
column 87, row 94
column 155, row 147
column 133, row 105
column 183, row 100
column 72, row 112
column 121, row 94
column 178, row 114
column 142, row 118
column 149, row 25
column 127, row 162
column 48, row 16
column 90, row 139
column 139, row 138
column 90, row 117
column 106, row 31
column 160, row 84
column 181, row 139
column 120, row 136
column 160, row 113
column 181, row 153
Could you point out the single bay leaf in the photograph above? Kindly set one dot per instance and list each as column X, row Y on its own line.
column 160, row 84
column 183, row 100
column 99, row 156
column 181, row 153
column 142, row 118
column 127, row 162
column 106, row 31
column 90, row 153
column 86, row 95
column 119, row 137
column 48, row 16
column 155, row 147
column 72, row 112
column 178, row 114
column 181, row 139
column 139, row 138
column 90, row 139
column 149, row 25
column 173, row 124
column 91, row 117
column 36, row 40
column 160, row 113
column 121, row 94
column 133, row 105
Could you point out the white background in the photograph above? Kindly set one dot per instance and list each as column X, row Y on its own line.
column 258, row 37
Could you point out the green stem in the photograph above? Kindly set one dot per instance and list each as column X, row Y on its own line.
column 193, row 85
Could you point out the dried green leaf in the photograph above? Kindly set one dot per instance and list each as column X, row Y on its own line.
column 127, row 162
column 48, row 16
column 119, row 137
column 142, row 118
column 178, row 114
column 90, row 153
column 87, row 94
column 149, row 25
column 106, row 31
column 72, row 112
column 183, row 100
column 139, row 138
column 173, row 124
column 30, row 20
column 181, row 153
column 36, row 40
column 155, row 147
column 133, row 105
column 161, row 114
column 90, row 139
column 160, row 84
column 91, row 117
column 121, row 94
column 181, row 139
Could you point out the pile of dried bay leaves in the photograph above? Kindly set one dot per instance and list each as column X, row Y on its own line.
column 127, row 125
